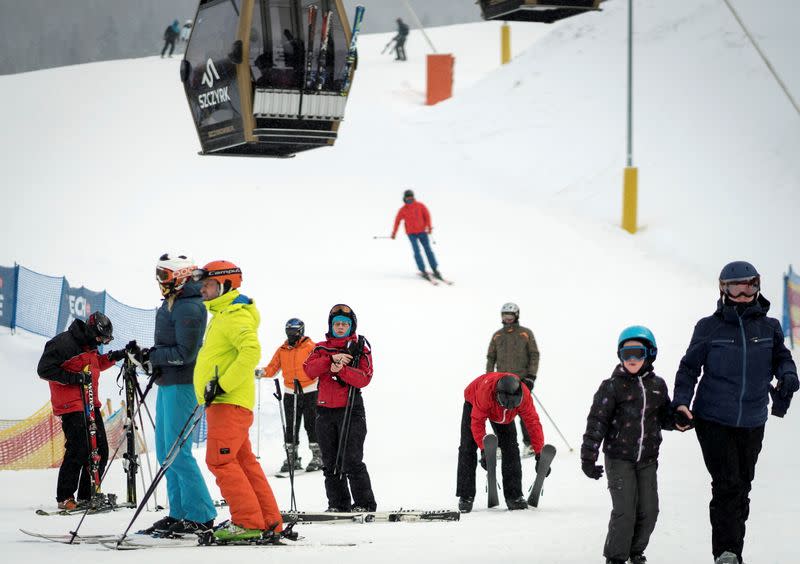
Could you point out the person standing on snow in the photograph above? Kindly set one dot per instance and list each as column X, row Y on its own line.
column 400, row 40
column 186, row 30
column 513, row 349
column 180, row 324
column 418, row 226
column 737, row 350
column 170, row 35
column 332, row 363
column 497, row 397
column 627, row 415
column 223, row 380
column 71, row 364
column 289, row 359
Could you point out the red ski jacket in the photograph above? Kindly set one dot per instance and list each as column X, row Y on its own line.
column 480, row 394
column 66, row 398
column 332, row 385
column 416, row 217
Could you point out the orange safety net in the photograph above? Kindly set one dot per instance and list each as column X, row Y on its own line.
column 38, row 441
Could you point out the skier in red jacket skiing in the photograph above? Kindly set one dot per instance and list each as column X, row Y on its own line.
column 417, row 220
column 497, row 397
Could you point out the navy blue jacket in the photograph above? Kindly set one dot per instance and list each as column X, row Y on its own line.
column 738, row 356
column 179, row 335
column 627, row 415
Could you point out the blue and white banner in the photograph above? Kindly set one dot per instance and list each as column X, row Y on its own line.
column 78, row 303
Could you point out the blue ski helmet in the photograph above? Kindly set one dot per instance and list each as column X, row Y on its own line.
column 642, row 334
column 738, row 270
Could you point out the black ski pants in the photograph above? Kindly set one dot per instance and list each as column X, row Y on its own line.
column 329, row 426
column 634, row 499
column 306, row 414
column 74, row 473
column 400, row 49
column 168, row 43
column 730, row 454
column 468, row 457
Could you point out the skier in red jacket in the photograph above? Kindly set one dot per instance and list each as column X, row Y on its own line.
column 417, row 220
column 498, row 397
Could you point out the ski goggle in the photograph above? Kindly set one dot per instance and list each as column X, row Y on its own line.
column 632, row 353
column 167, row 275
column 341, row 309
column 742, row 287
column 199, row 274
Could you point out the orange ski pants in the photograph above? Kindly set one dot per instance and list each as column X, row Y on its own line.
column 240, row 478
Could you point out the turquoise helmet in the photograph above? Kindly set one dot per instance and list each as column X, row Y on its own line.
column 642, row 334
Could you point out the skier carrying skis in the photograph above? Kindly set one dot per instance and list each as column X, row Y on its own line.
column 289, row 359
column 513, row 349
column 180, row 324
column 339, row 379
column 418, row 226
column 627, row 415
column 231, row 350
column 71, row 363
column 738, row 350
column 497, row 397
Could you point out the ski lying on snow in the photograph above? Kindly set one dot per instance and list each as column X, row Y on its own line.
column 128, row 544
column 370, row 516
column 79, row 539
column 80, row 510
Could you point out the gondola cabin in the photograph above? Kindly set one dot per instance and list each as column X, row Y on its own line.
column 260, row 80
column 545, row 11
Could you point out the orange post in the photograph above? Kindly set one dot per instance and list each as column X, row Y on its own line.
column 440, row 78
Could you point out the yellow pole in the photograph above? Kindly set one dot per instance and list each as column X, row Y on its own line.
column 505, row 44
column 630, row 191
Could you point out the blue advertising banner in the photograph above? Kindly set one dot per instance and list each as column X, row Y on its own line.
column 8, row 295
column 791, row 307
column 78, row 303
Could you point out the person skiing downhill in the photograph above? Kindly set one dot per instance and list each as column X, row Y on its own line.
column 628, row 412
column 180, row 324
column 513, row 349
column 331, row 362
column 289, row 359
column 418, row 226
column 70, row 363
column 735, row 353
column 497, row 397
column 223, row 380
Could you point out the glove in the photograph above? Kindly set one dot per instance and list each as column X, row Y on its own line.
column 139, row 357
column 529, row 381
column 683, row 420
column 213, row 389
column 538, row 454
column 592, row 470
column 260, row 372
column 482, row 459
column 788, row 384
column 115, row 356
column 780, row 405
column 83, row 377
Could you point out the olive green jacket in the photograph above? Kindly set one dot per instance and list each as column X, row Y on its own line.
column 513, row 349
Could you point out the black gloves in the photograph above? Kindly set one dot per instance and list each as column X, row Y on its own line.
column 682, row 420
column 592, row 470
column 529, row 381
column 213, row 389
column 115, row 356
column 482, row 459
column 140, row 357
column 787, row 385
column 780, row 404
column 81, row 378
column 537, row 466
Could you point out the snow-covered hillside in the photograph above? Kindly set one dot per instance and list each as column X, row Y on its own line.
column 522, row 173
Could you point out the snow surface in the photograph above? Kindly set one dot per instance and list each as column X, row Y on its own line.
column 522, row 172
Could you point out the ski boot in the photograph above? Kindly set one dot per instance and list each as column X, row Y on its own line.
column 638, row 558
column 437, row 275
column 614, row 561
column 517, row 503
column 363, row 508
column 230, row 532
column 316, row 458
column 465, row 504
column 187, row 527
column 292, row 451
column 159, row 527
column 727, row 557
column 68, row 504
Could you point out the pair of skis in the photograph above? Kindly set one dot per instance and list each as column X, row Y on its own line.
column 433, row 280
column 315, row 82
column 545, row 460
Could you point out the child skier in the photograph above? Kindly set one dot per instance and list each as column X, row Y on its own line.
column 628, row 413
column 289, row 359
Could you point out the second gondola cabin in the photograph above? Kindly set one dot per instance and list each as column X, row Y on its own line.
column 545, row 11
column 261, row 80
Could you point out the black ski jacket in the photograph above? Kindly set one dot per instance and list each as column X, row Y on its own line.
column 62, row 347
column 627, row 416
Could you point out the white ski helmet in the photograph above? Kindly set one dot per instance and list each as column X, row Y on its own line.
column 510, row 307
column 173, row 271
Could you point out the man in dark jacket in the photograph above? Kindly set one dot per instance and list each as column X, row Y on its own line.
column 170, row 35
column 180, row 324
column 72, row 365
column 738, row 350
column 400, row 40
column 513, row 349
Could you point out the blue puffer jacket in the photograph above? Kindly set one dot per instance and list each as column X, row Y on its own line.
column 180, row 325
column 738, row 355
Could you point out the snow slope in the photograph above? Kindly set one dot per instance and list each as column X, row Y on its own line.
column 522, row 173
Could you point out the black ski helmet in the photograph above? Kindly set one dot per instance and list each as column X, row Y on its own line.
column 98, row 325
column 738, row 270
column 508, row 391
column 408, row 194
column 295, row 328
column 346, row 311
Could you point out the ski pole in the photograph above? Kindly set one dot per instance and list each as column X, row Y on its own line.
column 258, row 420
column 295, row 424
column 338, row 468
column 279, row 396
column 387, row 45
column 381, row 237
column 563, row 438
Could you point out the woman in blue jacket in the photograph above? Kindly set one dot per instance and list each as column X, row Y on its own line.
column 738, row 350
